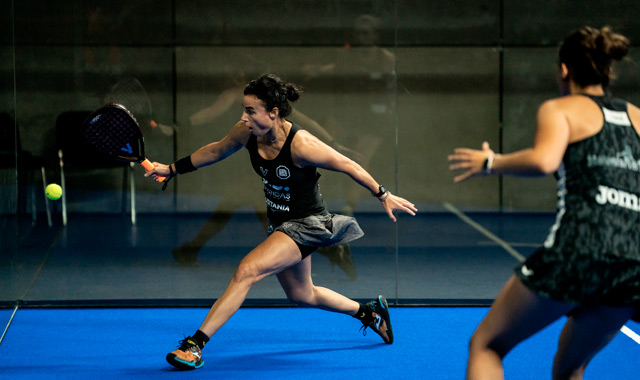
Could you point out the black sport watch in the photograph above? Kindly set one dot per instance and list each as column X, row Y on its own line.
column 381, row 191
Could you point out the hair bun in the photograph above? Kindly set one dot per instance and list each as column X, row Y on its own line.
column 614, row 45
column 293, row 92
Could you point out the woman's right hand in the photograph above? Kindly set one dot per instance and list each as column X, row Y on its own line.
column 472, row 161
column 158, row 170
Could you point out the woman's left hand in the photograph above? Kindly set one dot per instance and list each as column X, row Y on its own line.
column 394, row 202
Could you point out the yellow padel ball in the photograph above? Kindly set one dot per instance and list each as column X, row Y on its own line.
column 53, row 191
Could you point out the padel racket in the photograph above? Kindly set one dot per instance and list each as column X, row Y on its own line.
column 114, row 132
column 129, row 92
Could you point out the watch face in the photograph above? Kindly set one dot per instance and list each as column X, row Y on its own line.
column 381, row 191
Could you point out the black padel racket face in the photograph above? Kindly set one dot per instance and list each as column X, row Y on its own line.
column 114, row 132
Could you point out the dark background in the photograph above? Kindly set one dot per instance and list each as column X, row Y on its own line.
column 401, row 83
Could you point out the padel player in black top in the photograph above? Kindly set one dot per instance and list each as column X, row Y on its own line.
column 286, row 158
column 589, row 266
column 290, row 192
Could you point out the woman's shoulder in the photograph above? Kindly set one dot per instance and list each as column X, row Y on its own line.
column 633, row 109
column 575, row 103
column 304, row 146
column 569, row 100
column 240, row 132
column 634, row 115
column 302, row 137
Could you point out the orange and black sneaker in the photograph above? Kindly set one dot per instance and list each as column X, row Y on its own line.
column 379, row 320
column 187, row 356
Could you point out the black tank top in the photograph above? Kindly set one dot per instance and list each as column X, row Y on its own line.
column 599, row 190
column 290, row 192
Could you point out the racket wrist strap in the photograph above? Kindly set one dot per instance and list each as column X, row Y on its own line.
column 184, row 165
column 166, row 180
column 165, row 183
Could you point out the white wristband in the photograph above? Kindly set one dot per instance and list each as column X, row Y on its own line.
column 488, row 165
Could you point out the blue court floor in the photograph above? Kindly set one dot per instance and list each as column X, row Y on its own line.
column 273, row 343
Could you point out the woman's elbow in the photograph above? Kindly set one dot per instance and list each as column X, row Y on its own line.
column 546, row 167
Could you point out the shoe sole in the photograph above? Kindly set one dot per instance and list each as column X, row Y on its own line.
column 181, row 364
column 387, row 317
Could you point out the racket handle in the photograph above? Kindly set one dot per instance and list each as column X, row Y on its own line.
column 148, row 165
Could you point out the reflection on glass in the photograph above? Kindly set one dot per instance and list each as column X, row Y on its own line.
column 361, row 117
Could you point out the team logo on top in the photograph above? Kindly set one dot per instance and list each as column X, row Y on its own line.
column 618, row 198
column 283, row 172
column 264, row 171
column 616, row 117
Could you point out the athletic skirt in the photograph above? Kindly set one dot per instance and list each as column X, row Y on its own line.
column 582, row 279
column 323, row 230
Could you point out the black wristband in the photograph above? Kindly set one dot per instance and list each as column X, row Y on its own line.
column 381, row 191
column 184, row 165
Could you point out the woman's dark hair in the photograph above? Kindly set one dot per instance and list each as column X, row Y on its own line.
column 274, row 92
column 589, row 54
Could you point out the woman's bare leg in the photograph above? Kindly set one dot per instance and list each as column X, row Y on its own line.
column 274, row 254
column 587, row 331
column 516, row 314
column 297, row 284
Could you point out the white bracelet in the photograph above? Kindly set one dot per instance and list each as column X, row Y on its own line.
column 386, row 195
column 488, row 165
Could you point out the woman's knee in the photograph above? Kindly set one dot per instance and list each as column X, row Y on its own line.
column 246, row 272
column 482, row 342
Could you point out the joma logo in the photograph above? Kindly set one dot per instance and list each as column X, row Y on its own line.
column 618, row 198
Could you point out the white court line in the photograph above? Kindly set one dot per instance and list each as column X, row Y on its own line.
column 8, row 324
column 484, row 231
column 630, row 333
column 625, row 330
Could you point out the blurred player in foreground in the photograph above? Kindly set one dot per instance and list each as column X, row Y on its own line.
column 589, row 266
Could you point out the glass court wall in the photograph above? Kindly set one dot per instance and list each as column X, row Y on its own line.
column 395, row 85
